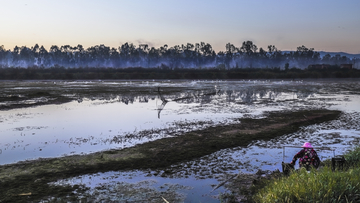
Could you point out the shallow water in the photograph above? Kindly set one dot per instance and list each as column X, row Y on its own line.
column 107, row 115
column 117, row 114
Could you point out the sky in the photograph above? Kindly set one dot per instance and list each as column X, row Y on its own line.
column 325, row 25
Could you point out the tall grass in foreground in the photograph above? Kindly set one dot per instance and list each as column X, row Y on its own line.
column 316, row 186
column 323, row 185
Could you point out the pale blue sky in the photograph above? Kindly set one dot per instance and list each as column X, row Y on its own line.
column 326, row 25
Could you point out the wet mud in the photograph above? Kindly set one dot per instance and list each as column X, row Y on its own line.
column 34, row 176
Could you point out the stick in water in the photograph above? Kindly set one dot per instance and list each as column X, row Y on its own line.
column 222, row 183
column 165, row 200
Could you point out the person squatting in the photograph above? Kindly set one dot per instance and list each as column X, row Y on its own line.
column 307, row 157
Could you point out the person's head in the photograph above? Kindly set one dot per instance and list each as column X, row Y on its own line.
column 307, row 145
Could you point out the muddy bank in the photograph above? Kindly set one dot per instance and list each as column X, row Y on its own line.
column 25, row 103
column 33, row 176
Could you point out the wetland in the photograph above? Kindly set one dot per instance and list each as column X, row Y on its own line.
column 103, row 141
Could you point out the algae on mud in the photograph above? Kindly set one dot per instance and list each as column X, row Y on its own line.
column 33, row 176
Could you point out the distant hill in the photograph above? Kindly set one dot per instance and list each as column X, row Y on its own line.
column 323, row 53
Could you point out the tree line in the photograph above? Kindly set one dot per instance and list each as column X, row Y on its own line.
column 199, row 55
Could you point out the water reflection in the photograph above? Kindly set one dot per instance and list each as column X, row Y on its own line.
column 186, row 98
column 244, row 94
column 117, row 114
column 161, row 107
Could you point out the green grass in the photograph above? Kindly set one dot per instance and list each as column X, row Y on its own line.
column 353, row 157
column 323, row 185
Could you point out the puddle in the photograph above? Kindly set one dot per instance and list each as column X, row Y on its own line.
column 138, row 186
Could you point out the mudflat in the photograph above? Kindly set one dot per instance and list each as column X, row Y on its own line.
column 28, row 180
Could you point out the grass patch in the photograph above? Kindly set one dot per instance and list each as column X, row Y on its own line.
column 323, row 185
